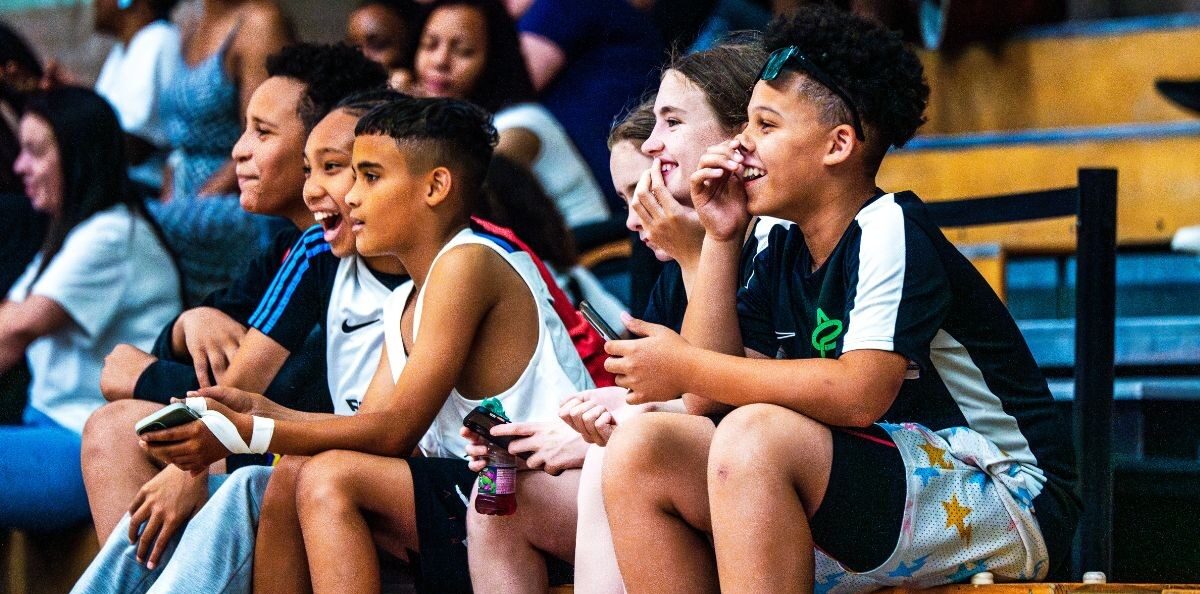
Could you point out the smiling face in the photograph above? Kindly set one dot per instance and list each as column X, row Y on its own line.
column 626, row 162
column 453, row 52
column 329, row 177
column 684, row 127
column 269, row 154
column 786, row 147
column 40, row 165
column 385, row 198
column 381, row 35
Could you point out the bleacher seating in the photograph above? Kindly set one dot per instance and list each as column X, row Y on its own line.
column 1023, row 115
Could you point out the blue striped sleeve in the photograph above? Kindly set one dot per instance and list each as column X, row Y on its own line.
column 295, row 288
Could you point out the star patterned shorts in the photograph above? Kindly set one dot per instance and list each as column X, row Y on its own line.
column 968, row 509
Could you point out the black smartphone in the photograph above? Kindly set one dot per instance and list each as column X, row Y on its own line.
column 172, row 415
column 593, row 317
column 481, row 421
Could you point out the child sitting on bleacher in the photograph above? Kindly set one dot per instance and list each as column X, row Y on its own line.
column 477, row 319
column 903, row 435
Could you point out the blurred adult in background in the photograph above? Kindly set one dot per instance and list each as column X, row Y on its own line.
column 103, row 276
column 222, row 61
column 139, row 68
column 589, row 61
column 20, row 71
column 469, row 50
column 387, row 32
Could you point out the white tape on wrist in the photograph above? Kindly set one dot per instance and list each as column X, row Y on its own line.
column 226, row 433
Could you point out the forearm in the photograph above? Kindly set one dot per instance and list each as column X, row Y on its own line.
column 372, row 433
column 12, row 350
column 826, row 390
column 711, row 321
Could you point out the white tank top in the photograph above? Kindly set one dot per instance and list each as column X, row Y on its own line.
column 353, row 333
column 553, row 371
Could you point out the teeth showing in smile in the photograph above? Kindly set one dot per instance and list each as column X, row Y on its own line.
column 667, row 167
column 752, row 173
column 327, row 219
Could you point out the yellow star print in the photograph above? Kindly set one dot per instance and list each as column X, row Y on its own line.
column 956, row 516
column 937, row 456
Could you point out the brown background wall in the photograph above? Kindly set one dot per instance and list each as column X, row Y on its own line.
column 66, row 33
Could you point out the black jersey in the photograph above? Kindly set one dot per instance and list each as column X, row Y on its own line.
column 171, row 375
column 895, row 283
column 668, row 299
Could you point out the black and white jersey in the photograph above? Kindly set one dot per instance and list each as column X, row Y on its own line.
column 342, row 296
column 668, row 299
column 895, row 283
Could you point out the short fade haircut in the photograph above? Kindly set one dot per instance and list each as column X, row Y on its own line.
column 329, row 73
column 444, row 132
column 635, row 126
column 873, row 65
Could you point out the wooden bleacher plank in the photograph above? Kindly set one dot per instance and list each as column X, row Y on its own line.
column 1048, row 588
column 1159, row 185
column 1067, row 79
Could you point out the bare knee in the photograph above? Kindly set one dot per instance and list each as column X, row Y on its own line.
column 324, row 482
column 762, row 441
column 640, row 447
column 111, row 426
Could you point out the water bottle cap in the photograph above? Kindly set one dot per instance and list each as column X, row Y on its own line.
column 495, row 406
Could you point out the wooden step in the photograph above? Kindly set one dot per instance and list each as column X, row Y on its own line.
column 1052, row 588
column 1158, row 178
column 1077, row 74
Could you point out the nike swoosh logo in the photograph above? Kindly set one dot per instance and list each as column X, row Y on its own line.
column 347, row 328
column 784, row 335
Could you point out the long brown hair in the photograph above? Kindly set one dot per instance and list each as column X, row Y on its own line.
column 726, row 74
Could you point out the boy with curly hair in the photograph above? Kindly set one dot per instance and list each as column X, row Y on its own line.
column 886, row 424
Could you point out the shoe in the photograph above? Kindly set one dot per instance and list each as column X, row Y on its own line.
column 1184, row 93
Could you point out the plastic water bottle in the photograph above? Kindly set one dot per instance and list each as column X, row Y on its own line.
column 497, row 494
column 498, row 484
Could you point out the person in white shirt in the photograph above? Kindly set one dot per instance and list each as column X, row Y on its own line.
column 142, row 63
column 102, row 277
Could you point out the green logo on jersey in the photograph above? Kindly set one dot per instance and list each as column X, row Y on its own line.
column 824, row 338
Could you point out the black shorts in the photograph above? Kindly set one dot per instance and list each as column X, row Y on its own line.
column 858, row 522
column 441, row 490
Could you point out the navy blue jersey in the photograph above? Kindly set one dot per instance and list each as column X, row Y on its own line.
column 668, row 299
column 895, row 283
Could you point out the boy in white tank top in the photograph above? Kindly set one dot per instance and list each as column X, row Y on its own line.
column 476, row 321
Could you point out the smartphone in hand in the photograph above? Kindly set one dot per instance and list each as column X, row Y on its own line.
column 172, row 415
column 593, row 317
column 481, row 420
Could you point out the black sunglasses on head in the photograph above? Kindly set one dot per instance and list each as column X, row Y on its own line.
column 780, row 57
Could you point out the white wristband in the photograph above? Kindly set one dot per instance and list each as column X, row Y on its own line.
column 226, row 433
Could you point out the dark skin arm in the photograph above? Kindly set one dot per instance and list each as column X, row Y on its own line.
column 462, row 292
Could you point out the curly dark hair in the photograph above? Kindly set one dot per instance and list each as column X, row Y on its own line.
column 330, row 73
column 873, row 65
column 447, row 133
